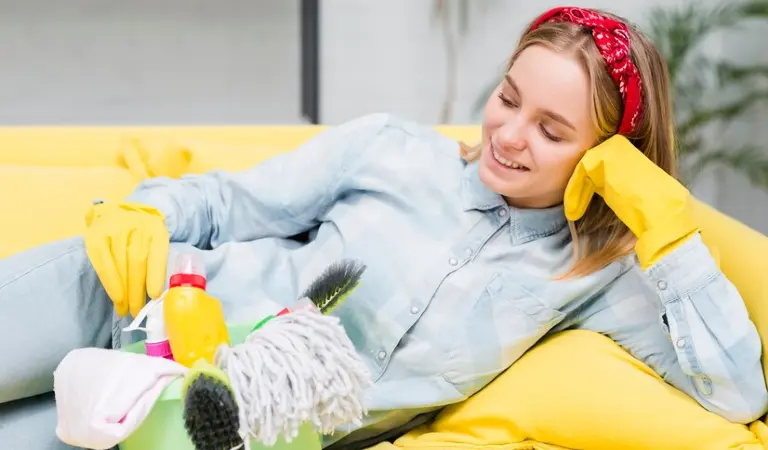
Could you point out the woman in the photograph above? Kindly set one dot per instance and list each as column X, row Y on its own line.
column 470, row 261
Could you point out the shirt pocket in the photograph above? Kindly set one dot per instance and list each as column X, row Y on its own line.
column 508, row 318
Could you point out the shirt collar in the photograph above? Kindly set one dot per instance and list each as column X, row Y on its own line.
column 526, row 224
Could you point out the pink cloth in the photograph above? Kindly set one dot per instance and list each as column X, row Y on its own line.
column 102, row 396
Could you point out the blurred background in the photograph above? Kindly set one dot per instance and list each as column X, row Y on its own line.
column 101, row 62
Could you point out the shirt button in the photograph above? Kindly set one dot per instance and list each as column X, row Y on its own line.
column 453, row 261
column 468, row 252
column 502, row 212
column 662, row 285
column 414, row 309
column 705, row 385
column 382, row 354
column 681, row 343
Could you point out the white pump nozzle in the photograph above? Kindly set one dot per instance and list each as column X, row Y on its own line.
column 155, row 325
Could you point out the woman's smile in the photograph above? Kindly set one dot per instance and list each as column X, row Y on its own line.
column 507, row 163
column 502, row 166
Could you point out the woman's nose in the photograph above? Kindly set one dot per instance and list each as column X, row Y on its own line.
column 511, row 137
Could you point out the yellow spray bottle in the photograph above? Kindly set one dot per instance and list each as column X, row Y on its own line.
column 194, row 320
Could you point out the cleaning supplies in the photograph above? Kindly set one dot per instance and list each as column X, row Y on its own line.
column 194, row 320
column 330, row 289
column 103, row 396
column 327, row 291
column 156, row 343
column 211, row 415
column 297, row 367
column 164, row 428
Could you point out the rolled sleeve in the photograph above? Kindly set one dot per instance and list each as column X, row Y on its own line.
column 717, row 345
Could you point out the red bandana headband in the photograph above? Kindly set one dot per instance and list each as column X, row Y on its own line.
column 612, row 40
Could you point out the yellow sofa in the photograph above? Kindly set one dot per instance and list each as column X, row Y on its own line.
column 574, row 390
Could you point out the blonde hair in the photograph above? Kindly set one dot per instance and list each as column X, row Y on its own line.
column 599, row 237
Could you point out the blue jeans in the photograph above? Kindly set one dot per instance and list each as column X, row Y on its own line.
column 51, row 302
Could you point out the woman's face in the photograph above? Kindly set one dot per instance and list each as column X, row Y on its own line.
column 536, row 127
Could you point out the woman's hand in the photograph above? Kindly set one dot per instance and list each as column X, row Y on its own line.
column 128, row 244
column 655, row 206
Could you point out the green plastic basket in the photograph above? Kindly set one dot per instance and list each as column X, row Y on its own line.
column 163, row 429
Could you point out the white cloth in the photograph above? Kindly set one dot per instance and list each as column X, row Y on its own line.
column 102, row 396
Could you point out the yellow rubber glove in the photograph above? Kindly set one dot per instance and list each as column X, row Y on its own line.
column 128, row 244
column 650, row 202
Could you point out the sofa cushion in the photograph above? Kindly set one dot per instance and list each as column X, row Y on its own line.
column 173, row 157
column 46, row 197
column 578, row 389
column 45, row 203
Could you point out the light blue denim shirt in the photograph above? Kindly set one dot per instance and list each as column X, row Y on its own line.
column 458, row 285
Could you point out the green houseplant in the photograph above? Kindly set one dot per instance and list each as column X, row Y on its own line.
column 709, row 92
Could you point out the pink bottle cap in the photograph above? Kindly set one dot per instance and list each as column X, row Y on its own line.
column 160, row 349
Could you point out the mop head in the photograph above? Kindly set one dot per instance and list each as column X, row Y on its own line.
column 296, row 369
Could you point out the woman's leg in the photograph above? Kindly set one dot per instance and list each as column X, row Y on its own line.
column 30, row 423
column 51, row 302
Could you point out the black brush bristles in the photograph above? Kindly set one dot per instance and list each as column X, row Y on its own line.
column 332, row 286
column 211, row 414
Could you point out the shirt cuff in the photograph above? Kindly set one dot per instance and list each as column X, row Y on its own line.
column 146, row 197
column 688, row 268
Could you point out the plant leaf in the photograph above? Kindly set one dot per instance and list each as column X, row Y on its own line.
column 749, row 160
column 754, row 9
column 677, row 31
column 721, row 113
column 692, row 82
column 689, row 144
column 729, row 73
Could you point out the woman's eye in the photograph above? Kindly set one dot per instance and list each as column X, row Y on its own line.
column 507, row 102
column 549, row 135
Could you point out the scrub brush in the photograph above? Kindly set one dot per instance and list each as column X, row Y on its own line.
column 210, row 411
column 292, row 369
column 334, row 285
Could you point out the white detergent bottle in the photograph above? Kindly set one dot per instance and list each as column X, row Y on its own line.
column 156, row 343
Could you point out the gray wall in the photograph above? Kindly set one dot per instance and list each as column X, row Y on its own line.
column 237, row 61
column 148, row 61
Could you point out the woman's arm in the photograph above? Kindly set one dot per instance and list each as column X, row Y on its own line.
column 716, row 348
column 717, row 345
column 282, row 196
column 685, row 320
